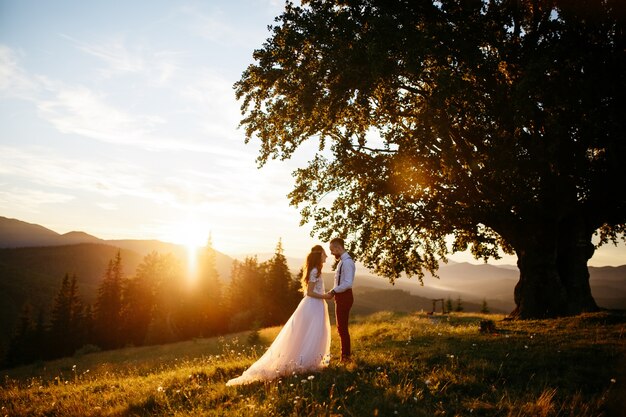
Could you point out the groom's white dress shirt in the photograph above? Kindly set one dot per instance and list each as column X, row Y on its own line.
column 347, row 269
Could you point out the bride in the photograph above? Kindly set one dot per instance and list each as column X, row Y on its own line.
column 303, row 344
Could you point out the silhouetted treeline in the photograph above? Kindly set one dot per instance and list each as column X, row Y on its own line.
column 163, row 302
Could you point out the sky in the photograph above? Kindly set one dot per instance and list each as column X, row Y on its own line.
column 118, row 118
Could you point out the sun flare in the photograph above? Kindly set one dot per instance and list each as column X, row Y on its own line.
column 193, row 235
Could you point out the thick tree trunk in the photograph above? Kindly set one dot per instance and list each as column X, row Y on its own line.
column 554, row 279
column 539, row 292
column 574, row 250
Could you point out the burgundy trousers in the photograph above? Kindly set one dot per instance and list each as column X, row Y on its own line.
column 343, row 304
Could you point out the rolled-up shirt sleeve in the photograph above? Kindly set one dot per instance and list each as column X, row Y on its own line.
column 348, row 269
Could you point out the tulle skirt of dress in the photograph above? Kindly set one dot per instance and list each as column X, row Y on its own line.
column 303, row 344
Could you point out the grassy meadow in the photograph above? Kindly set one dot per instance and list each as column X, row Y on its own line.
column 405, row 365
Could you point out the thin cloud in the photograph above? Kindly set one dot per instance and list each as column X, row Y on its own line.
column 165, row 66
column 113, row 53
column 14, row 82
column 79, row 110
column 220, row 28
column 108, row 206
column 114, row 180
column 43, row 167
column 29, row 200
column 212, row 27
column 212, row 102
column 156, row 68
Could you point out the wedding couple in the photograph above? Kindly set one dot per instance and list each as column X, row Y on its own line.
column 303, row 344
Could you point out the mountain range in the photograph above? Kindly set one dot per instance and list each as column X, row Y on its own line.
column 16, row 234
column 34, row 259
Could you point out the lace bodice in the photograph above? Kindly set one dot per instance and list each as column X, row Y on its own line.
column 319, row 282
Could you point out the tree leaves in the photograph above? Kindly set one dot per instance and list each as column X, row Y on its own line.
column 477, row 120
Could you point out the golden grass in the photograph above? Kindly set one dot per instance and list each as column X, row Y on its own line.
column 406, row 365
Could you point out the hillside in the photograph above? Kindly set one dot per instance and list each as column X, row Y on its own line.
column 405, row 365
column 18, row 234
column 34, row 274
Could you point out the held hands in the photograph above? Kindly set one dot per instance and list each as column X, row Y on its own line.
column 329, row 295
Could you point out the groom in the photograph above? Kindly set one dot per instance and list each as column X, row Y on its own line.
column 342, row 291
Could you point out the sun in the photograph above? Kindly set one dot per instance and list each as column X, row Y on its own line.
column 193, row 236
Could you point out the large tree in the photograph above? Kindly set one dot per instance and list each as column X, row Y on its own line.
column 496, row 124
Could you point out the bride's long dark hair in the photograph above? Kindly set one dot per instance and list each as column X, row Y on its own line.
column 313, row 260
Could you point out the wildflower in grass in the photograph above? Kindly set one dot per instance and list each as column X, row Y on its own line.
column 613, row 380
column 311, row 377
column 427, row 382
column 303, row 381
column 160, row 389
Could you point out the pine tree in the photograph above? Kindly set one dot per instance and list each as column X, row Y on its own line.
column 280, row 282
column 137, row 309
column 65, row 332
column 87, row 326
column 163, row 274
column 210, row 292
column 245, row 295
column 449, row 305
column 484, row 309
column 108, row 308
column 40, row 336
column 21, row 347
column 458, row 307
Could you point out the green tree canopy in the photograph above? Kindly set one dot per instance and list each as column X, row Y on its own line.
column 496, row 123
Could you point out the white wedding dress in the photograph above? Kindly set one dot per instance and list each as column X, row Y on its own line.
column 302, row 345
